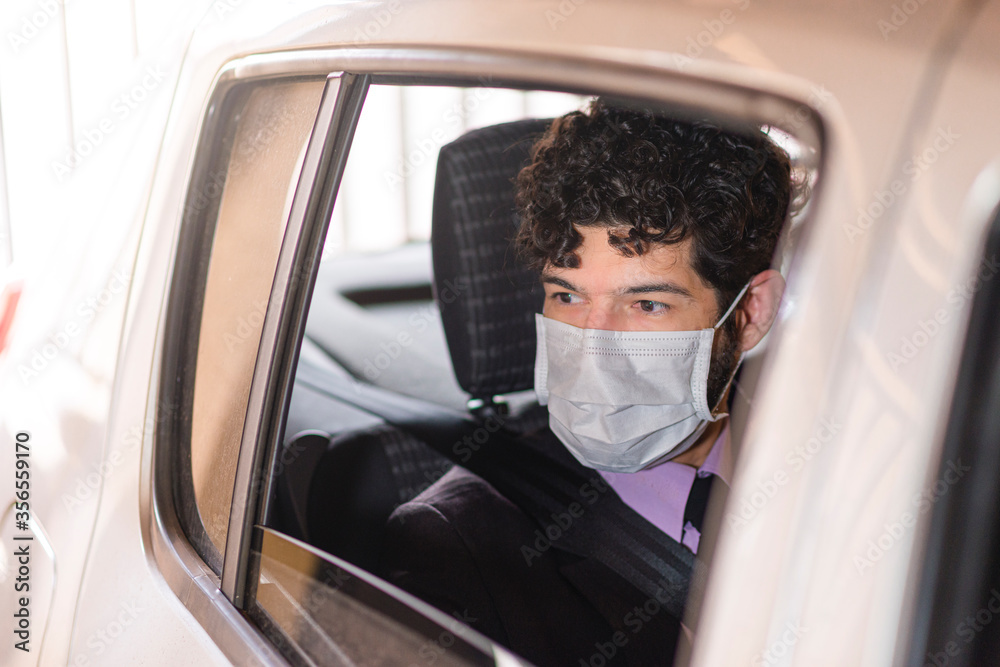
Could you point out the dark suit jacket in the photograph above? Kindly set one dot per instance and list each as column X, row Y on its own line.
column 463, row 547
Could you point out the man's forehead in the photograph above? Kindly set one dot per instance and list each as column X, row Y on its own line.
column 602, row 268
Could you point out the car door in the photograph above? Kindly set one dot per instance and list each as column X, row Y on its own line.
column 262, row 196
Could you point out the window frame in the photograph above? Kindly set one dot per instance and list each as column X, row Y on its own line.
column 177, row 554
column 216, row 601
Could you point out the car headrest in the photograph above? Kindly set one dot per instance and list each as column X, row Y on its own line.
column 487, row 297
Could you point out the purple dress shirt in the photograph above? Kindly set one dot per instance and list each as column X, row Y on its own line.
column 660, row 494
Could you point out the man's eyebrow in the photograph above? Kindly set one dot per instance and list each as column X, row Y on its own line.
column 649, row 288
column 670, row 288
column 555, row 280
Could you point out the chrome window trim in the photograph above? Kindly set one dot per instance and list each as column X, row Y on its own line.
column 744, row 94
column 726, row 90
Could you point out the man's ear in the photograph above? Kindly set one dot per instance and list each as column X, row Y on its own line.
column 759, row 307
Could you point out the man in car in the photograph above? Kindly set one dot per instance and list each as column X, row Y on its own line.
column 654, row 240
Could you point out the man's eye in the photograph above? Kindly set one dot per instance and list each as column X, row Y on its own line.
column 566, row 298
column 652, row 306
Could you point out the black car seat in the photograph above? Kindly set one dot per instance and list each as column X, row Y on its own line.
column 490, row 327
column 338, row 491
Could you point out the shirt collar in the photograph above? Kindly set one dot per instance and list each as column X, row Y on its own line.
column 720, row 458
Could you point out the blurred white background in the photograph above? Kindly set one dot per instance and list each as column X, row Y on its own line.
column 80, row 82
column 85, row 94
column 76, row 81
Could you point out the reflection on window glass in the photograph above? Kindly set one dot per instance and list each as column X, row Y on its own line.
column 310, row 607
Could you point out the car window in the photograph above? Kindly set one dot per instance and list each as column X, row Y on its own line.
column 373, row 323
column 254, row 189
column 315, row 608
column 376, row 269
column 376, row 351
column 372, row 326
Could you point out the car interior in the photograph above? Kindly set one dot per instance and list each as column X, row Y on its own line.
column 408, row 349
column 348, row 459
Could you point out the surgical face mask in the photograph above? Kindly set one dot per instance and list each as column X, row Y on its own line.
column 622, row 401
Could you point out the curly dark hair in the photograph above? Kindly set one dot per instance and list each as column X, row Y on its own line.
column 655, row 180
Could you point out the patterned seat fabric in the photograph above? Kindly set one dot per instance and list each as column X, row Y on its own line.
column 486, row 296
column 339, row 491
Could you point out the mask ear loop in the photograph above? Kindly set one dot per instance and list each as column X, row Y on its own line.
column 733, row 305
column 739, row 361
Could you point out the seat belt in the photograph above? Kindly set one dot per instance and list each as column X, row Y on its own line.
column 544, row 481
column 547, row 487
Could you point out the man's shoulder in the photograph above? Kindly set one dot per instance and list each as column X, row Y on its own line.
column 465, row 548
column 458, row 497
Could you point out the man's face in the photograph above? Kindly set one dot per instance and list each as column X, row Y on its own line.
column 656, row 291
